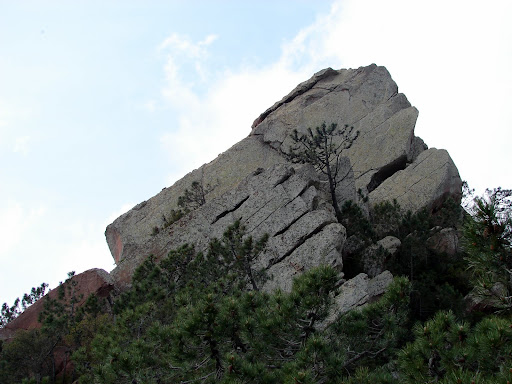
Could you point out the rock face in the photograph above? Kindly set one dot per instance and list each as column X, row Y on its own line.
column 425, row 183
column 283, row 202
column 255, row 184
column 445, row 240
column 133, row 228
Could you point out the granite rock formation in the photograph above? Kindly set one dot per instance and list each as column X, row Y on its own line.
column 255, row 183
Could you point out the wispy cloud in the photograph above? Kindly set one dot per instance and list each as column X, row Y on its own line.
column 437, row 66
column 221, row 114
column 185, row 45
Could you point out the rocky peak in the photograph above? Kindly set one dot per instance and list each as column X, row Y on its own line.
column 254, row 182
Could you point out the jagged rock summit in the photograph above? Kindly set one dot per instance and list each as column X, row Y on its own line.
column 254, row 182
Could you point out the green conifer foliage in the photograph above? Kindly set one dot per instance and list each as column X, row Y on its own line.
column 9, row 313
column 488, row 244
column 203, row 318
column 323, row 148
column 447, row 351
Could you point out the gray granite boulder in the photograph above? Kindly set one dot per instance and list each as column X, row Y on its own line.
column 445, row 240
column 357, row 292
column 426, row 183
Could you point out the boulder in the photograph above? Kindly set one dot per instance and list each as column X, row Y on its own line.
column 487, row 300
column 445, row 241
column 325, row 247
column 373, row 259
column 93, row 281
column 425, row 183
column 357, row 292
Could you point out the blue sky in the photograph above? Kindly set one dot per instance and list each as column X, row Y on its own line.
column 104, row 103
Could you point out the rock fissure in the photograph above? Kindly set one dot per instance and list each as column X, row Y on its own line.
column 264, row 219
column 385, row 172
column 298, row 91
column 221, row 215
column 393, row 95
column 376, row 128
column 301, row 241
column 316, row 86
column 290, row 224
column 284, row 178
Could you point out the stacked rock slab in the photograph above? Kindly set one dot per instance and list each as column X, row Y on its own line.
column 254, row 182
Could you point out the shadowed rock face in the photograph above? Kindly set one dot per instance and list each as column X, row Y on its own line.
column 254, row 182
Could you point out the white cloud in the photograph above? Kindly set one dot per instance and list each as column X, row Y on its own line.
column 21, row 145
column 183, row 44
column 451, row 59
column 221, row 114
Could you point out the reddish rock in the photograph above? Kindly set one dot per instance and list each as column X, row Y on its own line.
column 94, row 280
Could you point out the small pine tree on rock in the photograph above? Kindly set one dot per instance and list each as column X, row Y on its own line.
column 323, row 148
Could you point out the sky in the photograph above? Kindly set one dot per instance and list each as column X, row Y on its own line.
column 104, row 103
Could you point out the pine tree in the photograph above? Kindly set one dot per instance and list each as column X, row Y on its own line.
column 236, row 253
column 194, row 197
column 323, row 148
column 488, row 244
column 447, row 351
column 9, row 313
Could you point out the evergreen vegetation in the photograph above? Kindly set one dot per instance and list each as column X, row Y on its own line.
column 202, row 317
column 191, row 199
column 9, row 313
column 323, row 148
column 488, row 243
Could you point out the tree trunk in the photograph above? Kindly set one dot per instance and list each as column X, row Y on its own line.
column 332, row 189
